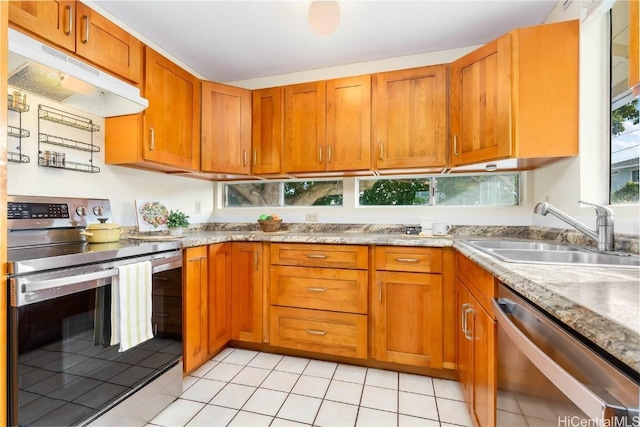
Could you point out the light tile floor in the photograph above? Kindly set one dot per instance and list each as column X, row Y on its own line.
column 251, row 389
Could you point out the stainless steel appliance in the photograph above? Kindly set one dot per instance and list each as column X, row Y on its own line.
column 62, row 370
column 548, row 377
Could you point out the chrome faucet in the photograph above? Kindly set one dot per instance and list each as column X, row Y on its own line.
column 603, row 234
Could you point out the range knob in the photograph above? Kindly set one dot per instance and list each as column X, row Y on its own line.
column 81, row 210
column 98, row 211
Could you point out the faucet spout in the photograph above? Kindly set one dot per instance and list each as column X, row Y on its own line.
column 603, row 234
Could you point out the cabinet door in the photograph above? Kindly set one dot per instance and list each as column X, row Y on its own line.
column 219, row 296
column 171, row 130
column 195, row 293
column 267, row 131
column 304, row 127
column 634, row 46
column 51, row 20
column 407, row 313
column 484, row 373
column 104, row 43
column 247, row 291
column 463, row 343
column 348, row 130
column 226, row 129
column 410, row 123
column 481, row 104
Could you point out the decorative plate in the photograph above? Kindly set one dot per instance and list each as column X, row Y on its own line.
column 151, row 215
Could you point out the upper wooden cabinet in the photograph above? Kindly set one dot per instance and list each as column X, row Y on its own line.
column 226, row 129
column 104, row 43
column 517, row 97
column 53, row 21
column 327, row 125
column 267, row 131
column 634, row 46
column 410, row 118
column 79, row 29
column 166, row 136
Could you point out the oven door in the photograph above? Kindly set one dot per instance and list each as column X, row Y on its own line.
column 548, row 377
column 62, row 369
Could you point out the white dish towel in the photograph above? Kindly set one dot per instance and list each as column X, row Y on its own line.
column 131, row 305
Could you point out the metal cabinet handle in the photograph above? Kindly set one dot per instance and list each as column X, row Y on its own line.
column 381, row 151
column 319, row 290
column 315, row 332
column 412, row 260
column 152, row 139
column 468, row 334
column 244, row 157
column 162, row 314
column 85, row 20
column 455, row 145
column 255, row 157
column 329, row 154
column 316, row 256
column 463, row 318
column 69, row 20
column 255, row 260
column 379, row 291
column 320, row 150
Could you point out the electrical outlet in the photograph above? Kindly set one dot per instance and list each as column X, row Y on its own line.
column 198, row 206
column 311, row 217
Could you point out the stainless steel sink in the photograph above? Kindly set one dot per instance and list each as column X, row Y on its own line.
column 552, row 253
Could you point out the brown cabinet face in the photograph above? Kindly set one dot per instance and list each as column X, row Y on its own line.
column 219, row 297
column 247, row 292
column 52, row 21
column 267, row 106
column 410, row 118
column 226, row 129
column 196, row 313
column 399, row 299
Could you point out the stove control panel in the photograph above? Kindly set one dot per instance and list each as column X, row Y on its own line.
column 37, row 210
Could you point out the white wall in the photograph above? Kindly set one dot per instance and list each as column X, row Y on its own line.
column 119, row 184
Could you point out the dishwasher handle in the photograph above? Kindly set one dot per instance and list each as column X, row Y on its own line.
column 593, row 405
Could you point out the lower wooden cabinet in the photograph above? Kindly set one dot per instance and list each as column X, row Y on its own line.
column 407, row 306
column 342, row 334
column 219, row 260
column 195, row 328
column 476, row 341
column 246, row 291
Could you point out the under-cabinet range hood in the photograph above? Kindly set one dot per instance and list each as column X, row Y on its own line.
column 42, row 70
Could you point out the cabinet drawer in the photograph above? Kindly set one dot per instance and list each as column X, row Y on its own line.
column 418, row 260
column 313, row 255
column 319, row 288
column 327, row 332
column 480, row 282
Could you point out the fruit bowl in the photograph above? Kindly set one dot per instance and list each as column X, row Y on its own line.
column 270, row 225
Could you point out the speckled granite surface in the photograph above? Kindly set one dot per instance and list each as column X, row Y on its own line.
column 600, row 303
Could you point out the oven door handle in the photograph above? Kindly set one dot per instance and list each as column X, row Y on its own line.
column 43, row 285
column 593, row 405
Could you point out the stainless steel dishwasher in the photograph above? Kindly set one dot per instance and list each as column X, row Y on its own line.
column 548, row 377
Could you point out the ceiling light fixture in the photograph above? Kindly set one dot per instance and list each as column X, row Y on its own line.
column 324, row 16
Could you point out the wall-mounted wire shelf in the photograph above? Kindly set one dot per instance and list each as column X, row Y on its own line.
column 66, row 119
column 74, row 166
column 17, row 106
column 18, row 132
column 17, row 157
column 66, row 142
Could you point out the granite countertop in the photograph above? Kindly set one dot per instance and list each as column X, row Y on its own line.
column 600, row 303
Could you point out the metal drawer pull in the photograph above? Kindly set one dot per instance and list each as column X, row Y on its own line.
column 468, row 334
column 315, row 332
column 311, row 289
column 316, row 256
column 407, row 260
column 381, row 151
column 70, row 21
column 463, row 318
column 255, row 157
column 320, row 159
column 85, row 19
column 455, row 145
column 244, row 157
column 329, row 154
column 152, row 139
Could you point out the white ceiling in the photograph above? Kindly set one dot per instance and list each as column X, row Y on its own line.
column 227, row 41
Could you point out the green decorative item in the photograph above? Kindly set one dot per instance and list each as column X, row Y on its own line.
column 177, row 219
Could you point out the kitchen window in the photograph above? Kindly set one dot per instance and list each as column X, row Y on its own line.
column 433, row 190
column 625, row 124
